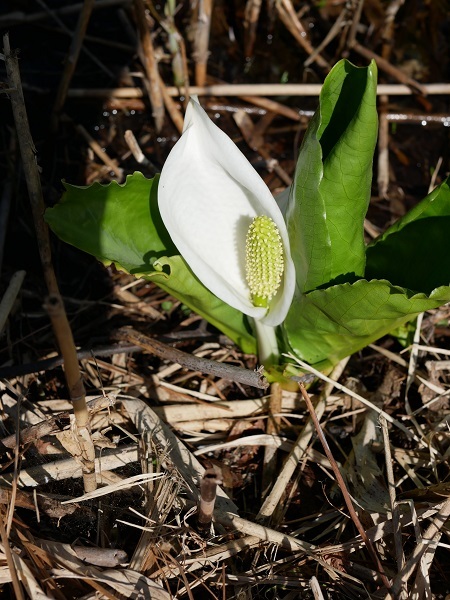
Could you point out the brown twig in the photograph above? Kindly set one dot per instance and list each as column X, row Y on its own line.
column 293, row 24
column 201, row 42
column 388, row 68
column 194, row 363
column 136, row 151
column 9, row 297
column 272, row 502
column 392, row 496
column 252, row 10
column 98, row 151
column 336, row 28
column 383, row 148
column 172, row 109
column 340, row 480
column 5, row 201
column 147, row 56
column 10, row 562
column 388, row 27
column 51, row 363
column 55, row 305
column 432, row 531
column 72, row 59
column 246, row 126
column 53, row 425
column 355, row 22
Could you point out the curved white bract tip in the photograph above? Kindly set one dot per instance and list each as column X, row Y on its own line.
column 208, row 196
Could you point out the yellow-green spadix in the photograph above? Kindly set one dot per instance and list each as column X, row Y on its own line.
column 209, row 198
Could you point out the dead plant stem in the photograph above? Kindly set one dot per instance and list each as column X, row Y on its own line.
column 10, row 562
column 392, row 495
column 195, row 363
column 433, row 529
column 72, row 59
column 203, row 26
column 343, row 487
column 147, row 55
column 57, row 313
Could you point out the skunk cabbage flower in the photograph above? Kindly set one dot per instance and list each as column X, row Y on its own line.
column 225, row 222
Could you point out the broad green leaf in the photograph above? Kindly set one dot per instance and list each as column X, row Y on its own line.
column 121, row 224
column 414, row 251
column 173, row 275
column 326, row 325
column 331, row 188
column 114, row 222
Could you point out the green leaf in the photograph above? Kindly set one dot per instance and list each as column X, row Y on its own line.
column 324, row 326
column 121, row 224
column 331, row 188
column 413, row 252
column 117, row 223
column 173, row 275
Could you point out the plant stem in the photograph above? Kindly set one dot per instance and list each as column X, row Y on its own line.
column 54, row 303
column 268, row 353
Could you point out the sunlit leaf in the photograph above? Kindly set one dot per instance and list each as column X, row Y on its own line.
column 121, row 224
column 331, row 188
column 326, row 325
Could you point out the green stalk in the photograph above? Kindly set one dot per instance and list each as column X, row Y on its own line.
column 268, row 353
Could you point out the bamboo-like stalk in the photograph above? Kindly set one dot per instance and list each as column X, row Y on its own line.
column 54, row 303
column 257, row 89
column 147, row 55
column 252, row 10
column 201, row 42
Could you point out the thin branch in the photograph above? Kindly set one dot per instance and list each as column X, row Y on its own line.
column 9, row 297
column 72, row 59
column 340, row 480
column 194, row 363
column 54, row 303
column 147, row 55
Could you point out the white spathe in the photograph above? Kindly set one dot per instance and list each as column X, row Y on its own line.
column 208, row 195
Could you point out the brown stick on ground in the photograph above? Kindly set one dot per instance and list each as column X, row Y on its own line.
column 72, row 59
column 53, row 425
column 244, row 376
column 57, row 313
